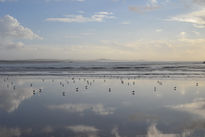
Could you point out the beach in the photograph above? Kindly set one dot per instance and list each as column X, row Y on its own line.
column 101, row 104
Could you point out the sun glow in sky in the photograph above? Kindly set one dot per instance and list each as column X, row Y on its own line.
column 152, row 30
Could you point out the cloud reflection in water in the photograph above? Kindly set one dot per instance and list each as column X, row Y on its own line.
column 98, row 108
column 10, row 100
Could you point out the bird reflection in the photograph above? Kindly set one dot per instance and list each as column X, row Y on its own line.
column 83, row 84
column 14, row 87
column 155, row 89
column 63, row 93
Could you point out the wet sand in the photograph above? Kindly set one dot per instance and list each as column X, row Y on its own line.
column 59, row 106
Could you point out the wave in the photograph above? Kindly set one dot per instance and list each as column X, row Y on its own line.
column 103, row 68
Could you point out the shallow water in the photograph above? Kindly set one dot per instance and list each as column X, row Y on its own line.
column 58, row 106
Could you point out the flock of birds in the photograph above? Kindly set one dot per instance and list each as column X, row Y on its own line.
column 87, row 81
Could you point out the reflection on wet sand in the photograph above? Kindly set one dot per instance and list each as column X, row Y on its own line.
column 14, row 132
column 197, row 106
column 101, row 106
column 10, row 100
column 84, row 130
column 96, row 108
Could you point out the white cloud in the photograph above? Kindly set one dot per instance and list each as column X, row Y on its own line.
column 6, row 0
column 197, row 18
column 98, row 108
column 186, row 49
column 11, row 31
column 11, row 28
column 182, row 35
column 142, row 9
column 64, row 0
column 80, row 35
column 200, row 2
column 150, row 6
column 159, row 30
column 97, row 17
column 154, row 1
column 125, row 22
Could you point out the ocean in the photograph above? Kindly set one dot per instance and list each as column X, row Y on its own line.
column 102, row 68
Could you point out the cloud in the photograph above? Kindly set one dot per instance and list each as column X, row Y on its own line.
column 200, row 2
column 97, row 17
column 80, row 35
column 11, row 28
column 11, row 31
column 150, row 6
column 49, row 0
column 126, row 23
column 154, row 1
column 142, row 9
column 10, row 100
column 196, row 18
column 187, row 49
column 98, row 108
column 64, row 0
column 182, row 35
column 6, row 0
column 159, row 30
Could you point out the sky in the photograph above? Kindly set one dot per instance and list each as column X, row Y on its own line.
column 149, row 30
